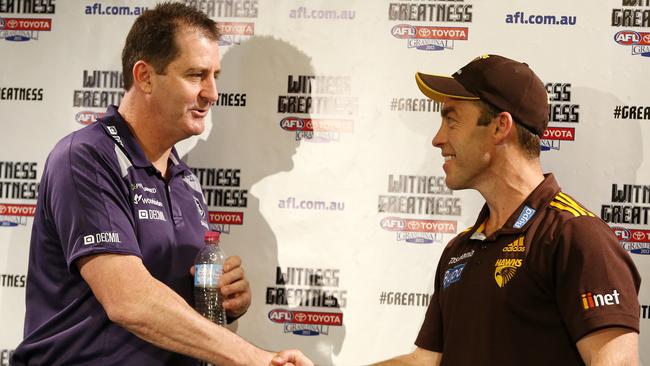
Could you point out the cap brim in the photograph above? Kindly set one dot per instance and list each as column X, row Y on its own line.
column 441, row 88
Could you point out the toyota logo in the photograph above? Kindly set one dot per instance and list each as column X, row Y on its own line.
column 638, row 235
column 300, row 317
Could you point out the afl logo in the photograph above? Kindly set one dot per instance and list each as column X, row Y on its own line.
column 296, row 124
column 280, row 316
column 392, row 224
column 2, row 23
column 627, row 38
column 622, row 234
column 87, row 117
column 403, row 31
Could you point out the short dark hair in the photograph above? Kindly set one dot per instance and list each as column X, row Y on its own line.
column 528, row 140
column 152, row 37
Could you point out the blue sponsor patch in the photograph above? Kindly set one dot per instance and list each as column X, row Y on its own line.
column 526, row 214
column 452, row 275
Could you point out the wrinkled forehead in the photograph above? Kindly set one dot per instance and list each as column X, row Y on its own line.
column 195, row 47
column 451, row 106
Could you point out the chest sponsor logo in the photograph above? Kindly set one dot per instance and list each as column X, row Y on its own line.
column 505, row 270
column 516, row 246
column 461, row 257
column 526, row 214
column 138, row 199
column 452, row 275
column 100, row 238
column 592, row 301
column 151, row 215
column 136, row 186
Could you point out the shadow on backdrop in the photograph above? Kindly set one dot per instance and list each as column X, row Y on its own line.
column 249, row 139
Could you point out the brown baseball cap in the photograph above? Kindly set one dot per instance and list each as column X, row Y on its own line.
column 508, row 85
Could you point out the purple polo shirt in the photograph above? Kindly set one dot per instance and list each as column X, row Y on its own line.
column 100, row 194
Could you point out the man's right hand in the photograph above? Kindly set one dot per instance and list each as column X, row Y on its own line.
column 291, row 357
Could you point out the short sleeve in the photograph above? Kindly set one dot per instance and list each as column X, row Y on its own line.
column 430, row 335
column 597, row 283
column 87, row 202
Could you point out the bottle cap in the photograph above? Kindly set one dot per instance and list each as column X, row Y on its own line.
column 212, row 236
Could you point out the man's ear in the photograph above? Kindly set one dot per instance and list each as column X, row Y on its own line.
column 504, row 128
column 142, row 73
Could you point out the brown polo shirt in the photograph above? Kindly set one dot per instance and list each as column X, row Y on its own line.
column 527, row 293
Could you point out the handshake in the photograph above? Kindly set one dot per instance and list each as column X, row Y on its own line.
column 291, row 357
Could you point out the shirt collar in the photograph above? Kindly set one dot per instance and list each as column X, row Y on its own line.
column 524, row 215
column 115, row 126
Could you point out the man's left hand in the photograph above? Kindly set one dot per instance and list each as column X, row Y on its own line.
column 235, row 288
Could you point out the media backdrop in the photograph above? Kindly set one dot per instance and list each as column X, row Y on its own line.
column 317, row 161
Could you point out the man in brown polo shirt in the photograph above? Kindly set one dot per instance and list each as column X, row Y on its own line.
column 538, row 279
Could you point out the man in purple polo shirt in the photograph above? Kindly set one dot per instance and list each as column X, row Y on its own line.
column 120, row 219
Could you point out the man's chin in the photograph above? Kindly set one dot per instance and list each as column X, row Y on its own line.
column 196, row 127
column 453, row 185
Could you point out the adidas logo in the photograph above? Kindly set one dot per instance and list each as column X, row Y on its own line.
column 516, row 246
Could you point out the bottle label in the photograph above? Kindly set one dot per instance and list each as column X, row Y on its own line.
column 207, row 275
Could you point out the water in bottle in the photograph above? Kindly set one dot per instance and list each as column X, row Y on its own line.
column 208, row 268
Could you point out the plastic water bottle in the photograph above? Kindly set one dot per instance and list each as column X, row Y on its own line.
column 208, row 268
